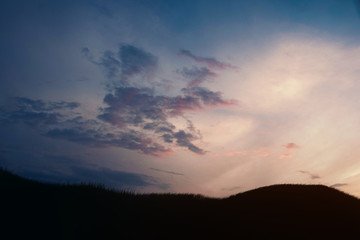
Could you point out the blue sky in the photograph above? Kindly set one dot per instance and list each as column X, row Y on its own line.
column 210, row 97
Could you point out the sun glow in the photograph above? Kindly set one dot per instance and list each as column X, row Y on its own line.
column 288, row 89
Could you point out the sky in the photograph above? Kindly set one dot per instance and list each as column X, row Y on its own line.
column 209, row 97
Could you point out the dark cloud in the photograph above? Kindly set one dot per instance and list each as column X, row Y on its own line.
column 87, row 54
column 116, row 178
column 184, row 139
column 168, row 172
column 33, row 119
column 197, row 75
column 208, row 97
column 338, row 185
column 131, row 139
column 27, row 104
column 108, row 61
column 130, row 106
column 136, row 61
column 126, row 63
column 210, row 62
column 35, row 113
column 134, row 118
column 168, row 138
column 97, row 134
column 311, row 175
column 108, row 177
column 111, row 65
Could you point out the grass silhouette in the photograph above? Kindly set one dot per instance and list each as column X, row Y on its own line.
column 33, row 210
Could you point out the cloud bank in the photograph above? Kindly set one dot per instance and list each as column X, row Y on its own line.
column 134, row 115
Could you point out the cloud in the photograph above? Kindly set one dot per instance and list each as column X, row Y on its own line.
column 235, row 153
column 127, row 62
column 133, row 104
column 131, row 139
column 291, row 146
column 39, row 105
column 109, row 63
column 285, row 155
column 311, row 175
column 130, row 106
column 108, row 177
column 184, row 139
column 210, row 62
column 135, row 60
column 135, row 115
column 230, row 189
column 141, row 107
column 168, row 172
column 35, row 113
column 208, row 97
column 338, row 185
column 197, row 75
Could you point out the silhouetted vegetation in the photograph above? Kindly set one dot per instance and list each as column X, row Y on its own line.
column 32, row 210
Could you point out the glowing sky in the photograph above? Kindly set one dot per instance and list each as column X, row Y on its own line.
column 210, row 97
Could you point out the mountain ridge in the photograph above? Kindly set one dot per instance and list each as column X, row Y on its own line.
column 56, row 211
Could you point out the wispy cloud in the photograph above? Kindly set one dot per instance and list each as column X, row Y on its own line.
column 230, row 189
column 311, row 175
column 285, row 155
column 131, row 139
column 210, row 62
column 168, row 172
column 336, row 185
column 197, row 75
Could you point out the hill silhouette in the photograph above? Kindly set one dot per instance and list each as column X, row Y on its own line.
column 33, row 210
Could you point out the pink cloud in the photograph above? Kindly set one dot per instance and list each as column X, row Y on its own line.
column 291, row 146
column 235, row 153
column 285, row 155
column 263, row 152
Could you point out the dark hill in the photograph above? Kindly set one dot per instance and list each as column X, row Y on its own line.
column 32, row 210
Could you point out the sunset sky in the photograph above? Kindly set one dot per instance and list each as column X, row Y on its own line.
column 209, row 97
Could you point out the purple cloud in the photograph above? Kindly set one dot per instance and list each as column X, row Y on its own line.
column 291, row 146
column 197, row 75
column 134, row 118
column 141, row 107
column 210, row 62
column 129, row 105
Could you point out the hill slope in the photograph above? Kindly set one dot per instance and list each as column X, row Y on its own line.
column 46, row 211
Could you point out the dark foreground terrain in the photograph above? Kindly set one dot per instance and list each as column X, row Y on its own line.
column 32, row 210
